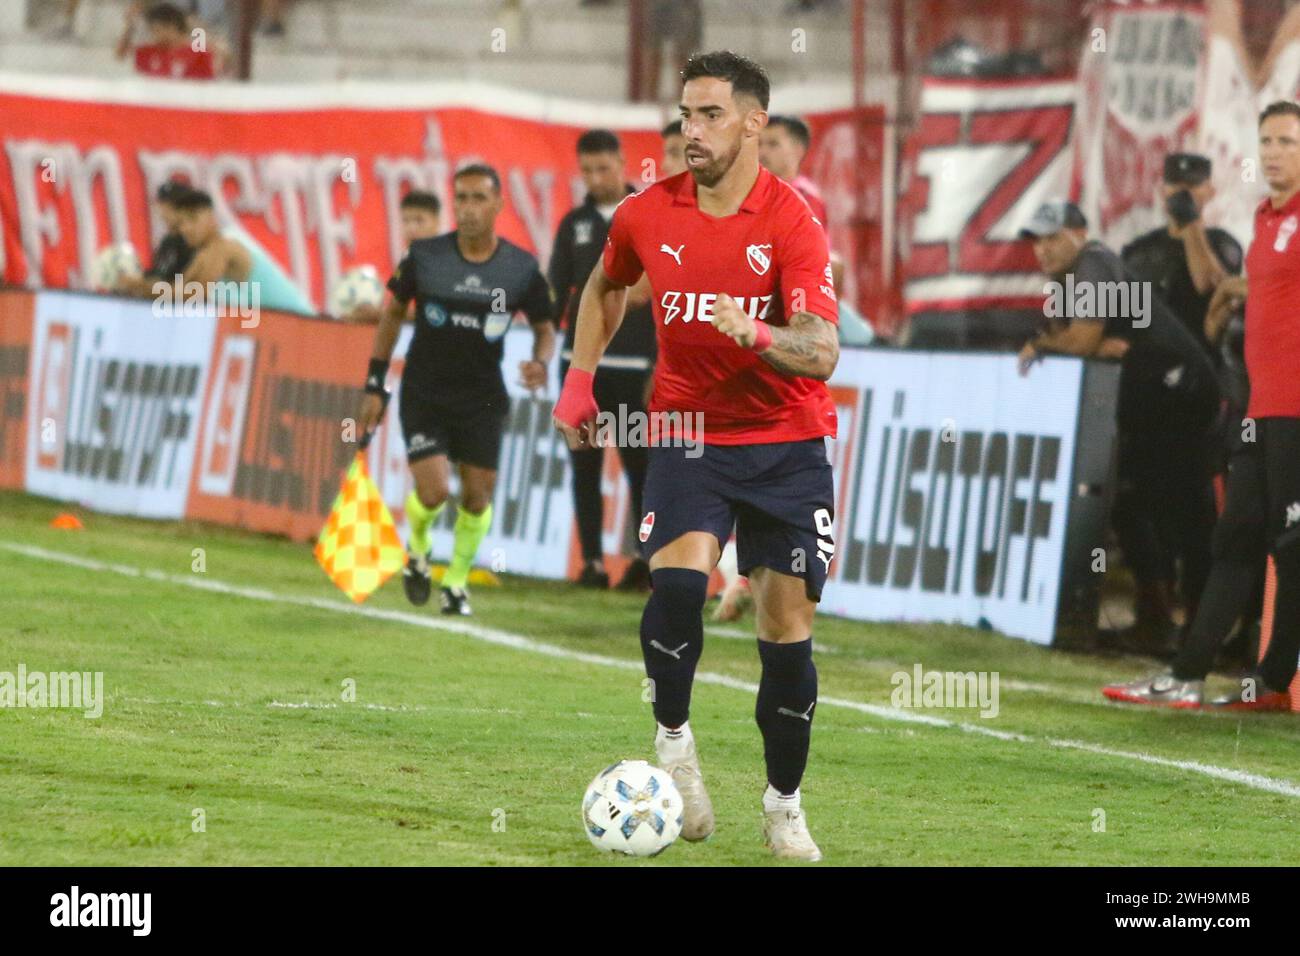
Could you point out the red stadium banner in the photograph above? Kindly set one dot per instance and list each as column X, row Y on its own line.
column 984, row 155
column 16, row 311
column 1139, row 85
column 317, row 186
column 315, row 175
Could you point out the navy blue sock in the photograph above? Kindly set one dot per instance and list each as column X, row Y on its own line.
column 672, row 635
column 787, row 694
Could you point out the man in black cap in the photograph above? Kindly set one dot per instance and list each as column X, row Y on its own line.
column 1184, row 260
column 1168, row 398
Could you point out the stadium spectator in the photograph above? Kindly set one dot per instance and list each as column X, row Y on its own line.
column 173, row 253
column 171, row 52
column 217, row 257
column 782, row 147
column 678, row 24
column 623, row 373
column 1168, row 398
column 1262, row 516
column 1183, row 262
column 421, row 219
column 674, row 160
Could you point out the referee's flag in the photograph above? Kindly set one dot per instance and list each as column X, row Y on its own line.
column 359, row 547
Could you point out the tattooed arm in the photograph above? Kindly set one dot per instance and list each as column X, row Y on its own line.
column 808, row 346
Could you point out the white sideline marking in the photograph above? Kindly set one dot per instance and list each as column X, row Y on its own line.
column 521, row 643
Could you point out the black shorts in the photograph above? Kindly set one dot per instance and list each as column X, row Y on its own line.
column 780, row 497
column 467, row 433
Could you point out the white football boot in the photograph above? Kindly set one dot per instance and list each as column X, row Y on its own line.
column 785, row 830
column 677, row 758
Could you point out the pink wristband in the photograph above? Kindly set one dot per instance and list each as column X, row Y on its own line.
column 762, row 336
column 576, row 403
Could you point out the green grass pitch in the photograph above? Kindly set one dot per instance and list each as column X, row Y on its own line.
column 225, row 693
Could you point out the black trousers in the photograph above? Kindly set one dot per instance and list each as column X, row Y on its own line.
column 612, row 388
column 1164, row 503
column 1261, row 517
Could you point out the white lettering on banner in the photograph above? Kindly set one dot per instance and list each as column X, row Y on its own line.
column 1136, row 105
column 81, row 176
column 535, row 212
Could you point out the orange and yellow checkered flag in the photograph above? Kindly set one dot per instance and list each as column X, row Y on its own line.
column 359, row 547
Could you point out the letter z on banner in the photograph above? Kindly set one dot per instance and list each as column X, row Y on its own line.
column 985, row 155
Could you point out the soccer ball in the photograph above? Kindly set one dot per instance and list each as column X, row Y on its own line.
column 112, row 264
column 632, row 808
column 359, row 286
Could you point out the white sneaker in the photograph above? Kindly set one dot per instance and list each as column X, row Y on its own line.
column 785, row 831
column 677, row 757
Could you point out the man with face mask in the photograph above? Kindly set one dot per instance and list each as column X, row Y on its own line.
column 1184, row 260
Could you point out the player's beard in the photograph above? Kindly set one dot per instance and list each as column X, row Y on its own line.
column 710, row 173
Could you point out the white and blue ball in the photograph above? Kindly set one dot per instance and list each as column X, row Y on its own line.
column 112, row 264
column 632, row 808
column 358, row 286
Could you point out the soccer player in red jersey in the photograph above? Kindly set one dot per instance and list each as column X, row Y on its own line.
column 745, row 319
column 1262, row 515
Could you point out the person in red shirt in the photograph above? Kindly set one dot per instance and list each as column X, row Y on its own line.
column 745, row 320
column 781, row 148
column 1262, row 516
column 171, row 52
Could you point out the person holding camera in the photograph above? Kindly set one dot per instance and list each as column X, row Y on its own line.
column 1184, row 261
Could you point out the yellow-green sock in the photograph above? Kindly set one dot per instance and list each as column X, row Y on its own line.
column 420, row 519
column 470, row 529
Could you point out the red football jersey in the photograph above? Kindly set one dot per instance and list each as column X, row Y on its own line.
column 771, row 257
column 178, row 63
column 1272, row 325
column 813, row 196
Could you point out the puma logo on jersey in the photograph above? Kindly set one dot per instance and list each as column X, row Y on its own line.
column 806, row 715
column 675, row 253
column 675, row 655
column 698, row 306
